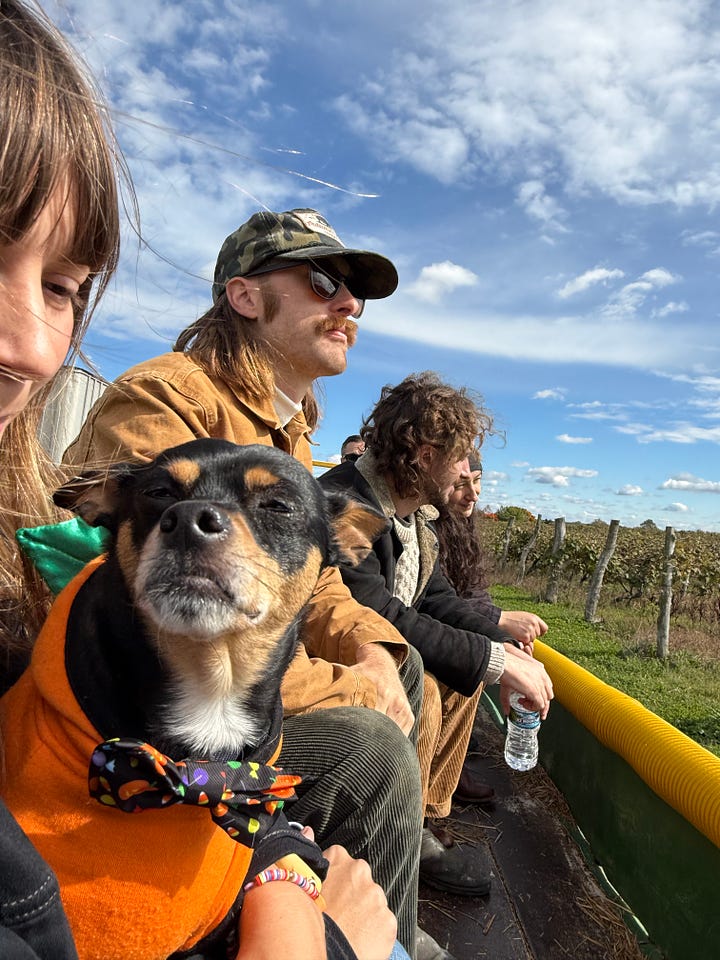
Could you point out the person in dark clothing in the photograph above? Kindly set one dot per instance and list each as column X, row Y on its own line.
column 418, row 438
column 462, row 562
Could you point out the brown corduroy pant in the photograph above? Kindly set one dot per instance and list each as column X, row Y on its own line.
column 446, row 722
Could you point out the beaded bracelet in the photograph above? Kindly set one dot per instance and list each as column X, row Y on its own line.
column 291, row 876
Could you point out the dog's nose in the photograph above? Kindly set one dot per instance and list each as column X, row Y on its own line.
column 195, row 520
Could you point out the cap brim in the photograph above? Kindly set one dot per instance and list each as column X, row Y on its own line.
column 369, row 276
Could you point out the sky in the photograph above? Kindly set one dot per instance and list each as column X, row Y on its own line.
column 545, row 174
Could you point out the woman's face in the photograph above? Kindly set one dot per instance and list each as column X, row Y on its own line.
column 38, row 288
column 465, row 494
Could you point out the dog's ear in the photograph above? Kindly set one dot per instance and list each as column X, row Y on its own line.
column 355, row 527
column 94, row 495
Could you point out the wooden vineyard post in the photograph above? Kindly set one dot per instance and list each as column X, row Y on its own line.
column 506, row 541
column 663, row 627
column 553, row 584
column 593, row 597
column 527, row 548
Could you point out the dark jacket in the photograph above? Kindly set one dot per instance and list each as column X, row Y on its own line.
column 452, row 638
column 481, row 601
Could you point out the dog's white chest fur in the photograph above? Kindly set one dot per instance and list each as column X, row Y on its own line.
column 210, row 725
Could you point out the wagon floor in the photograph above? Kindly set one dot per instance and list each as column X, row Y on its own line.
column 544, row 903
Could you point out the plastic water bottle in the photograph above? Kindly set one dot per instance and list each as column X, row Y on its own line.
column 521, row 743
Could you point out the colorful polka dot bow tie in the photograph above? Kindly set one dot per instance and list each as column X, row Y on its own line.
column 244, row 798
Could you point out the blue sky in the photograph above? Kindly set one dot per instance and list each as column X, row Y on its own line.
column 544, row 173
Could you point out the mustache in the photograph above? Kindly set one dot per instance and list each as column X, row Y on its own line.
column 347, row 325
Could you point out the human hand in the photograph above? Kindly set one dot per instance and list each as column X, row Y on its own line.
column 529, row 677
column 376, row 663
column 523, row 626
column 358, row 905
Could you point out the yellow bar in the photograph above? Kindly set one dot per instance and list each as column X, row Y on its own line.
column 676, row 768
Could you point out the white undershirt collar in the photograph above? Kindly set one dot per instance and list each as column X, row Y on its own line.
column 285, row 408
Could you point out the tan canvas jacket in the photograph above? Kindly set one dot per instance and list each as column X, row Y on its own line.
column 169, row 400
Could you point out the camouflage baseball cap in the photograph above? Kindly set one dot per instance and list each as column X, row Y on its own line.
column 272, row 241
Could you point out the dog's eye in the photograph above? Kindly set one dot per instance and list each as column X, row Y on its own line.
column 276, row 506
column 159, row 493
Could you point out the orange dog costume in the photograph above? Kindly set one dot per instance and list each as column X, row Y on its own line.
column 135, row 887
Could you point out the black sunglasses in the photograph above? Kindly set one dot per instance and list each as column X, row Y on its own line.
column 327, row 287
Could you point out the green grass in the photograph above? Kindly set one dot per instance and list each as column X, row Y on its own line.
column 684, row 689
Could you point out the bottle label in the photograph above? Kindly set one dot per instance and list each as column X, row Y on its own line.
column 525, row 719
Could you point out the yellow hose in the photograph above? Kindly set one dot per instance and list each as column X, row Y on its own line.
column 676, row 768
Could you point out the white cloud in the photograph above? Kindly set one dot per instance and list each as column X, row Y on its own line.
column 703, row 383
column 553, row 393
column 559, row 476
column 597, row 412
column 597, row 416
column 489, row 100
column 589, row 279
column 606, row 340
column 179, row 85
column 434, row 145
column 670, row 308
column 659, row 277
column 700, row 238
column 440, row 279
column 707, row 240
column 566, row 438
column 677, row 432
column 566, row 85
column 629, row 490
column 539, row 205
column 677, row 508
column 624, row 304
column 686, row 481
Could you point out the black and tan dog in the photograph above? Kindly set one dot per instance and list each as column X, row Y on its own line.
column 176, row 643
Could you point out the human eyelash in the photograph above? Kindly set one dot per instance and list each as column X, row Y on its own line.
column 74, row 297
column 59, row 290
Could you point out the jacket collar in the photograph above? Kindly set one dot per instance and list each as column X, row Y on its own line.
column 267, row 411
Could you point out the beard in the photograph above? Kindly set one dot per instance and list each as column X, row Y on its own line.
column 436, row 496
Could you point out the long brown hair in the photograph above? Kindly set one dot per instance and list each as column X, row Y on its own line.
column 225, row 344
column 461, row 557
column 54, row 136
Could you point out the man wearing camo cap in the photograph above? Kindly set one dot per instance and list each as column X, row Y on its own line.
column 286, row 297
column 275, row 241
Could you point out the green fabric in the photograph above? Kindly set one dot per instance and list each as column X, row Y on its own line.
column 60, row 550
